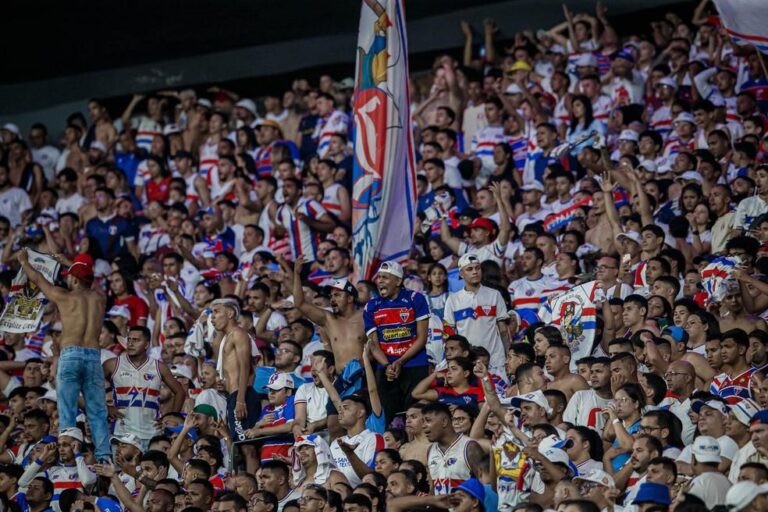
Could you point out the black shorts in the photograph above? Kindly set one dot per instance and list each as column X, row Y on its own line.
column 237, row 427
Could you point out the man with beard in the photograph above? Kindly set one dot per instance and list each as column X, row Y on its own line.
column 585, row 407
column 343, row 325
column 400, row 483
column 644, row 449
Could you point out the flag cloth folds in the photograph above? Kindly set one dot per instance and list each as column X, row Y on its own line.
column 24, row 310
column 384, row 174
column 745, row 21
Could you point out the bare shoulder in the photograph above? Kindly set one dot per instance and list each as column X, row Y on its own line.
column 238, row 335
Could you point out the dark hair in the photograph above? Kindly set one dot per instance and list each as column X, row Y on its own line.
column 659, row 386
column 205, row 483
column 276, row 465
column 669, row 421
column 156, row 457
column 635, row 393
column 437, row 408
column 145, row 332
column 360, row 500
column 593, row 438
column 231, row 496
column 200, row 465
column 588, row 115
column 582, row 505
column 641, row 301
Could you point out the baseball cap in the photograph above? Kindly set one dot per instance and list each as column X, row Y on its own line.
column 519, row 65
column 629, row 235
column 667, row 82
column 467, row 260
column 760, row 418
column 82, row 267
column 206, row 409
column 537, row 397
column 131, row 439
column 534, row 185
column 346, row 83
column 108, row 505
column 743, row 410
column 49, row 395
column 513, row 89
column 120, row 310
column 191, row 433
column 623, row 54
column 652, row 492
column 630, row 135
column 712, row 404
column 171, row 129
column 553, row 441
column 586, row 60
column 474, row 488
column 73, row 432
column 676, row 333
column 247, row 104
column 742, row 494
column 692, row 176
column 391, row 267
column 97, row 144
column 706, row 449
column 483, row 223
column 11, row 127
column 684, row 117
column 181, row 370
column 597, row 476
column 203, row 102
column 558, row 456
column 343, row 285
column 280, row 381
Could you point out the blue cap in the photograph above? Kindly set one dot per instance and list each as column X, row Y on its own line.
column 474, row 488
column 108, row 505
column 677, row 333
column 623, row 54
column 175, row 430
column 651, row 492
column 760, row 418
column 49, row 439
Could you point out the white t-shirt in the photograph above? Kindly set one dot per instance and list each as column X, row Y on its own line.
column 585, row 408
column 14, row 202
column 69, row 204
column 710, row 488
column 47, row 157
column 316, row 399
column 367, row 443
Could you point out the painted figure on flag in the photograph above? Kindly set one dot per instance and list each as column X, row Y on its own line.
column 383, row 194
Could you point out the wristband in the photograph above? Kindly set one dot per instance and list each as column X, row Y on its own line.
column 616, row 421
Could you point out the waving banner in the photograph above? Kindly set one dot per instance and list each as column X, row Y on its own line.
column 745, row 21
column 384, row 174
column 26, row 302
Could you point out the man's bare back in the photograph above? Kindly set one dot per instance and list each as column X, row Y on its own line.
column 82, row 314
column 347, row 337
column 568, row 384
column 230, row 362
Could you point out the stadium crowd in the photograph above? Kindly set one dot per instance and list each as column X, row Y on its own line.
column 554, row 341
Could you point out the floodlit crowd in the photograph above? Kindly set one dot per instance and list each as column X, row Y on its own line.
column 579, row 326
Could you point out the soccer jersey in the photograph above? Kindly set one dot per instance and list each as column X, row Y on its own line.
column 280, row 444
column 331, row 199
column 528, row 293
column 327, row 126
column 304, row 239
column 585, row 408
column 493, row 251
column 733, row 389
column 475, row 315
column 450, row 468
column 367, row 445
column 136, row 392
column 483, row 143
column 394, row 321
column 315, row 398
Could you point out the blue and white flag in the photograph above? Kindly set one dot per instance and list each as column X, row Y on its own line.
column 745, row 21
column 384, row 174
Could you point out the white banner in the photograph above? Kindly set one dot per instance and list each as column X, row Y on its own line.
column 26, row 302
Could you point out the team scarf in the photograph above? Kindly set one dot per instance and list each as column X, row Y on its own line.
column 717, row 277
column 561, row 219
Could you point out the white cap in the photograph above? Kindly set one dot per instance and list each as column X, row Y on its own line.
column 743, row 410
column 11, row 128
column 557, row 456
column 597, row 476
column 131, row 439
column 742, row 494
column 181, row 370
column 649, row 165
column 280, row 381
column 557, row 48
column 171, row 128
column 513, row 89
column 120, row 310
column 96, row 144
column 537, row 397
column 691, row 175
column 667, row 81
column 391, row 267
column 684, row 117
column 630, row 135
column 717, row 405
column 247, row 104
column 586, row 60
column 467, row 260
column 73, row 432
column 534, row 185
column 49, row 395
column 204, row 103
column 629, row 235
column 706, row 449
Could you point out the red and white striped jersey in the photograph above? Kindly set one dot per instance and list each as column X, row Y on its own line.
column 331, row 199
column 529, row 293
column 303, row 238
column 333, row 123
column 209, row 158
column 137, row 394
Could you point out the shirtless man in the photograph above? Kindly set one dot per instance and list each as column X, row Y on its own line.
column 734, row 316
column 105, row 130
column 79, row 366
column 343, row 326
column 602, row 234
column 557, row 360
column 232, row 350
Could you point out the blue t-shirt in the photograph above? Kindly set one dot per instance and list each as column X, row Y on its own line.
column 111, row 235
column 621, row 459
column 394, row 320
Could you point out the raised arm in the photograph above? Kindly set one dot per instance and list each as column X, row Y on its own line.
column 128, row 112
column 314, row 313
column 54, row 293
column 504, row 226
column 445, row 235
column 467, row 31
column 370, row 378
column 423, row 391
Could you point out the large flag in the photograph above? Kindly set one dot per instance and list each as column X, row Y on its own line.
column 26, row 303
column 384, row 190
column 746, row 21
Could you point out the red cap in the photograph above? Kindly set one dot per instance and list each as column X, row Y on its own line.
column 483, row 223
column 82, row 267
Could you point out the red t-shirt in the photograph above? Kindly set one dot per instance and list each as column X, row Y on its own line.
column 159, row 191
column 136, row 305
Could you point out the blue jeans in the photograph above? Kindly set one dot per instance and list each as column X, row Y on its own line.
column 80, row 370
